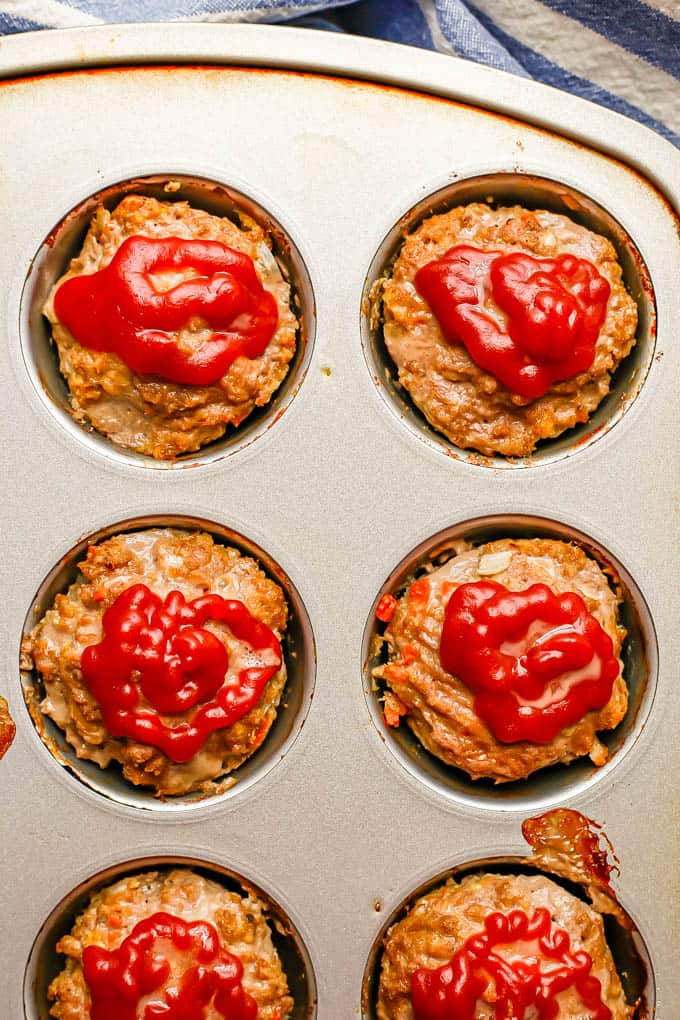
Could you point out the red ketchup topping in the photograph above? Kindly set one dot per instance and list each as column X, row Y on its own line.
column 136, row 981
column 553, row 309
column 519, row 984
column 536, row 662
column 118, row 309
column 161, row 650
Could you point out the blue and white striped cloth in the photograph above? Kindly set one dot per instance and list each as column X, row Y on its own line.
column 624, row 54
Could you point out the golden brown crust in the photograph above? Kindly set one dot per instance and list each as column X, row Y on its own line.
column 470, row 406
column 7, row 728
column 114, row 912
column 441, row 707
column 439, row 924
column 164, row 560
column 145, row 413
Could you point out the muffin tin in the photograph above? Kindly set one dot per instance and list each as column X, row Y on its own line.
column 333, row 140
column 44, row 963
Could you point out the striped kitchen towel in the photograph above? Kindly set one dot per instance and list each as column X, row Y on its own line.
column 624, row 54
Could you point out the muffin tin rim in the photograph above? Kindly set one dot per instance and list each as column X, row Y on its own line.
column 344, row 57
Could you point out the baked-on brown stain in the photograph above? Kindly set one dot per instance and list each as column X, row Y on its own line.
column 355, row 83
column 572, row 846
column 562, row 837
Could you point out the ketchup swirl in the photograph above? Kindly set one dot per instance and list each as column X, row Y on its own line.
column 554, row 310
column 519, row 984
column 160, row 649
column 118, row 309
column 536, row 662
column 137, row 980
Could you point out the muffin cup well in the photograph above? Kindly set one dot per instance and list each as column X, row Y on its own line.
column 532, row 192
column 299, row 654
column 557, row 783
column 44, row 963
column 39, row 352
column 628, row 947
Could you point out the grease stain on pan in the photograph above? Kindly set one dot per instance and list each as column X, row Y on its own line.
column 348, row 82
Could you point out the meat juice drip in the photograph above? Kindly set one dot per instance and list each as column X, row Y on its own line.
column 536, row 662
column 118, row 309
column 566, row 843
column 159, row 649
column 167, row 969
column 551, row 313
column 571, row 845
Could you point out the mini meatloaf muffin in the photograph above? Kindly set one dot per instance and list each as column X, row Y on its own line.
column 150, row 911
column 152, row 402
column 164, row 655
column 506, row 916
column 7, row 728
column 500, row 685
column 462, row 287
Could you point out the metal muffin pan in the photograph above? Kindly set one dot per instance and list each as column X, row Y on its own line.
column 548, row 787
column 299, row 654
column 335, row 138
column 64, row 241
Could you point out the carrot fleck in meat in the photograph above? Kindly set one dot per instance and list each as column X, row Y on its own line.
column 261, row 733
column 418, row 595
column 393, row 709
column 394, row 672
column 7, row 728
column 409, row 654
column 386, row 607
